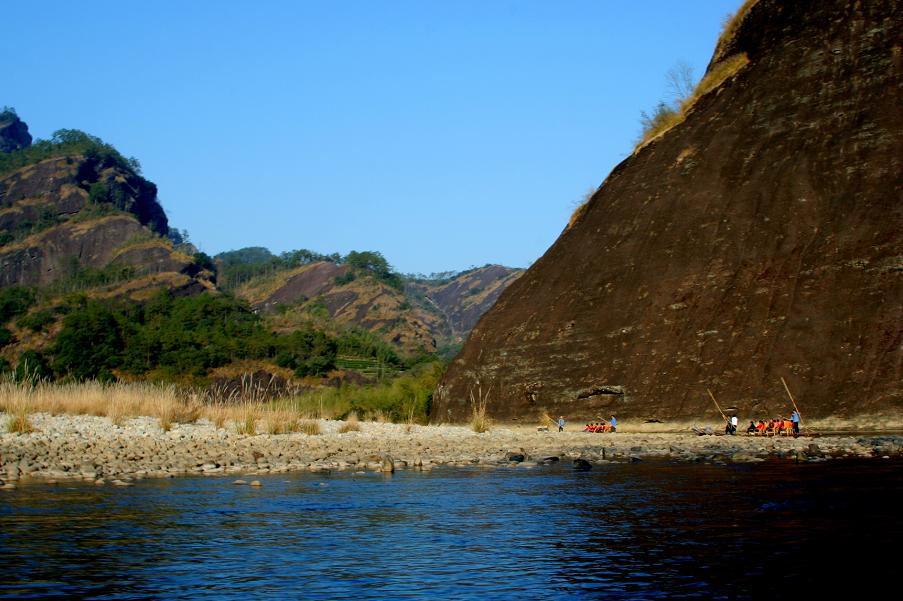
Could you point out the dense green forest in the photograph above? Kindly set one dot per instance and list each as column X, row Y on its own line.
column 66, row 331
column 237, row 267
column 177, row 338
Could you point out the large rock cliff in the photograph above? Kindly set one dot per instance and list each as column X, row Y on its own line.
column 69, row 213
column 13, row 132
column 758, row 238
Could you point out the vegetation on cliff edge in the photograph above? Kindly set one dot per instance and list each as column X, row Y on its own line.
column 67, row 142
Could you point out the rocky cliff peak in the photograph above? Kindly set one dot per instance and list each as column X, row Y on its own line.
column 72, row 209
column 758, row 238
column 13, row 131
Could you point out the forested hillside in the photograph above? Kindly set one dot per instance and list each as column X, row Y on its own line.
column 96, row 284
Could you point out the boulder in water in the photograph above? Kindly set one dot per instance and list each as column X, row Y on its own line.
column 582, row 465
column 387, row 465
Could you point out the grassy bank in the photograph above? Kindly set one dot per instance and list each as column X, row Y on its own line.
column 405, row 399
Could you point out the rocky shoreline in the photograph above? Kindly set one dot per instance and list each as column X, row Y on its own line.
column 94, row 449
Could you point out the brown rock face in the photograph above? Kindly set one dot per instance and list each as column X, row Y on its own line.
column 61, row 185
column 464, row 299
column 70, row 213
column 311, row 293
column 759, row 238
column 422, row 317
column 13, row 134
column 306, row 283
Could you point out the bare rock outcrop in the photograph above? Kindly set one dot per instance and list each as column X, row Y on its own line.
column 68, row 214
column 13, row 133
column 463, row 299
column 759, row 238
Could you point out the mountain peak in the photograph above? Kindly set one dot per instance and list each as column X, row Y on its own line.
column 13, row 131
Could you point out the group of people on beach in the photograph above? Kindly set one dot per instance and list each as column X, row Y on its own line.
column 778, row 425
column 602, row 427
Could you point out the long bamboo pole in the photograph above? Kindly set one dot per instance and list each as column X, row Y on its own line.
column 787, row 388
column 716, row 403
column 790, row 395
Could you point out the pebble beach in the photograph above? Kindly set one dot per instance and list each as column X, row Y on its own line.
column 95, row 449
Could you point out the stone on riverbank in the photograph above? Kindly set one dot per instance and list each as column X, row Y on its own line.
column 91, row 448
column 387, row 465
column 515, row 457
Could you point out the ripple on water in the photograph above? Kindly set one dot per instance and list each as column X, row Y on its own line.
column 650, row 530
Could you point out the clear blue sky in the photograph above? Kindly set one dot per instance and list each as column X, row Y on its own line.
column 442, row 134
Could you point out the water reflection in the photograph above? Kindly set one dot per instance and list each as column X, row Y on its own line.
column 647, row 530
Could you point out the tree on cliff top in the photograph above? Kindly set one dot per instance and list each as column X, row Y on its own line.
column 8, row 113
column 66, row 142
column 375, row 263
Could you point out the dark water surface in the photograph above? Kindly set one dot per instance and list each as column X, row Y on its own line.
column 646, row 530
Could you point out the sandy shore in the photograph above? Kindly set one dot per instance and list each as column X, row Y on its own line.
column 93, row 448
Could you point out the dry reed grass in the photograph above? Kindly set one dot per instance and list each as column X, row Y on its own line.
column 479, row 421
column 218, row 413
column 580, row 207
column 19, row 423
column 117, row 401
column 724, row 66
column 714, row 78
column 122, row 401
column 247, row 416
column 730, row 26
column 718, row 74
column 579, row 210
column 351, row 424
column 310, row 427
column 282, row 421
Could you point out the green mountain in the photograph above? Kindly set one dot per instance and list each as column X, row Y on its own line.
column 95, row 284
column 414, row 314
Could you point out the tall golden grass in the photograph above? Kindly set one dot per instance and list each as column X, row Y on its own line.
column 247, row 409
column 580, row 207
column 123, row 401
column 714, row 78
column 18, row 410
column 246, row 418
column 117, row 401
column 723, row 67
column 479, row 420
column 729, row 28
column 170, row 405
column 351, row 424
column 310, row 427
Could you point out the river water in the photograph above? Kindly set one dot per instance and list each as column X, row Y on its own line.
column 620, row 531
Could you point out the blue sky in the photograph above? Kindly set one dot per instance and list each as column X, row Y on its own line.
column 442, row 134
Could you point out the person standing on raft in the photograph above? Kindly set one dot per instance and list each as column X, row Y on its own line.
column 795, row 419
column 613, row 424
